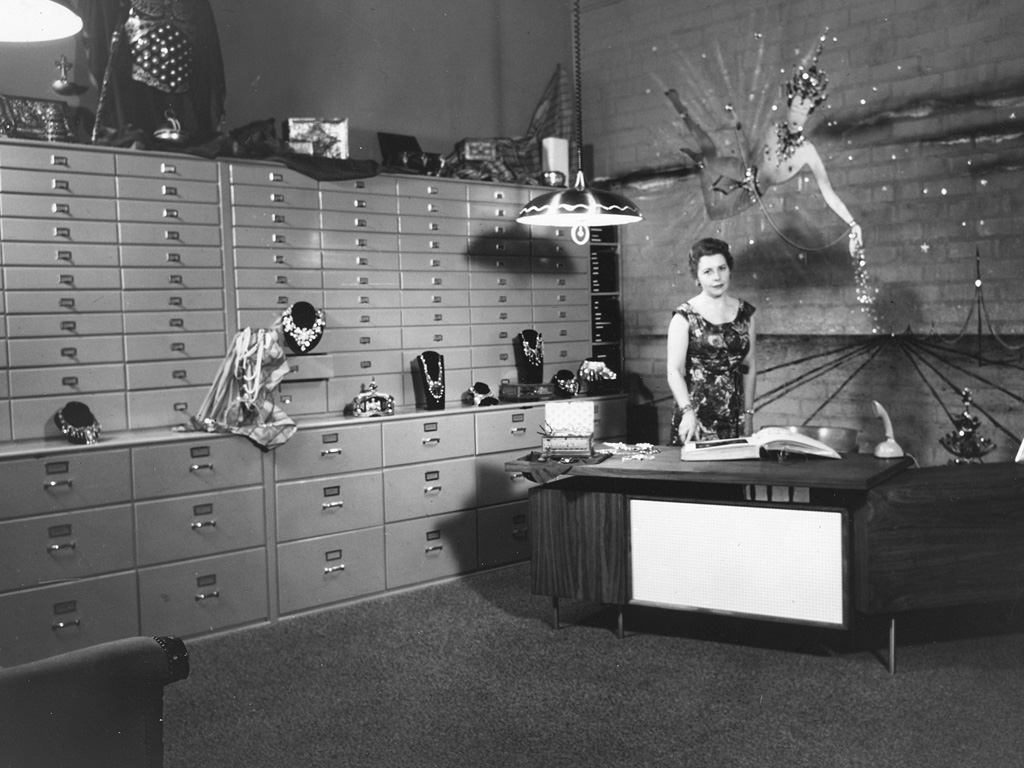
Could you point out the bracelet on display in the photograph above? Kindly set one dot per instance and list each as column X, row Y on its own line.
column 480, row 395
column 77, row 423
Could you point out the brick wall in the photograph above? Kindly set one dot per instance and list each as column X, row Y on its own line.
column 923, row 139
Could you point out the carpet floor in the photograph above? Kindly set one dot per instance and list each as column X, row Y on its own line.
column 469, row 673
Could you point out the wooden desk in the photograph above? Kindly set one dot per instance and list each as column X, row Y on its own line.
column 912, row 538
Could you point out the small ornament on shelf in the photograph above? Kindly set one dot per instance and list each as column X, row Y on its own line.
column 964, row 442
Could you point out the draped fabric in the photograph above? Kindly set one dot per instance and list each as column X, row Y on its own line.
column 151, row 58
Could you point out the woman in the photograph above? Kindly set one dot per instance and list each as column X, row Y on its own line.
column 711, row 353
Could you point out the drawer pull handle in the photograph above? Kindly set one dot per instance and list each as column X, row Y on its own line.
column 59, row 547
column 65, row 256
column 332, row 505
column 207, row 595
column 62, row 231
column 431, row 440
column 204, row 524
column 517, row 430
column 197, row 467
column 61, row 184
column 333, row 568
column 432, row 489
column 168, row 168
column 435, row 548
column 277, row 198
column 169, row 191
column 68, row 325
column 171, row 213
column 65, row 624
column 58, row 483
column 59, row 160
column 69, row 381
column 61, row 208
column 331, row 452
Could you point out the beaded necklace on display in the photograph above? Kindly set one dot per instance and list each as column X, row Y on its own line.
column 304, row 337
column 435, row 386
column 534, row 352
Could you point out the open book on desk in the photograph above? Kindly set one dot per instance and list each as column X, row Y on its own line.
column 773, row 439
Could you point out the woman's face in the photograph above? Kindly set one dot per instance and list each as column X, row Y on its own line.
column 713, row 274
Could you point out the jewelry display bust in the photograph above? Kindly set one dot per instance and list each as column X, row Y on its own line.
column 529, row 352
column 429, row 377
column 303, row 327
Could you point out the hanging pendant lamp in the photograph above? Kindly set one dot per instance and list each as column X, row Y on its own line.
column 32, row 21
column 579, row 207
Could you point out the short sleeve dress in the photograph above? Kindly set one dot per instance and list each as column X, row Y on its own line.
column 714, row 373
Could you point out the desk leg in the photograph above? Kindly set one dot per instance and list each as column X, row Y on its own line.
column 892, row 645
column 554, row 612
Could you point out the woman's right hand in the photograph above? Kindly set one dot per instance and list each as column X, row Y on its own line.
column 688, row 426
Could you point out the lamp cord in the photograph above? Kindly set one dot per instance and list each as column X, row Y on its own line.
column 577, row 84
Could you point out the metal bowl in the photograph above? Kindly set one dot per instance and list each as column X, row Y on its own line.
column 841, row 439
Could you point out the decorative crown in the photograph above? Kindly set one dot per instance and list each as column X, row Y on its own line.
column 808, row 81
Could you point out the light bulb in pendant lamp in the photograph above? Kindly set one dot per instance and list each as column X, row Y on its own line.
column 579, row 208
column 32, row 21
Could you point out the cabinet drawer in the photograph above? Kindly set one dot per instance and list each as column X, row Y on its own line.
column 435, row 299
column 78, row 480
column 44, row 622
column 427, row 262
column 277, row 299
column 141, row 188
column 562, row 313
column 169, row 255
column 175, row 278
column 493, row 193
column 272, row 175
column 496, row 484
column 63, row 278
column 195, row 467
column 345, row 204
column 320, row 506
column 487, row 225
column 427, row 439
column 350, row 279
column 503, row 534
column 436, row 337
column 265, row 258
column 204, row 595
column 330, row 451
column 500, row 250
column 176, row 322
column 66, row 254
column 65, row 547
column 520, row 316
column 358, row 221
column 174, row 346
column 361, row 300
column 558, row 248
column 64, row 232
column 169, row 214
column 413, row 243
column 302, row 397
column 164, row 407
column 429, row 489
column 430, row 548
column 174, row 233
column 329, row 569
column 63, row 158
column 561, row 281
column 369, row 318
column 434, row 281
column 283, row 198
column 268, row 216
column 500, row 281
column 429, row 316
column 30, row 382
column 56, row 182
column 174, row 374
column 368, row 363
column 362, row 261
column 199, row 526
column 309, row 367
column 32, row 417
column 364, row 340
column 508, row 430
column 58, row 209
column 278, row 238
column 430, row 189
column 153, row 166
column 450, row 226
column 153, row 301
column 377, row 185
column 33, row 326
column 497, row 356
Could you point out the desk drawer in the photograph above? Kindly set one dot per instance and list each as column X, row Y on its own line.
column 44, row 622
column 428, row 439
column 204, row 595
column 496, row 484
column 421, row 490
column 313, row 452
column 330, row 569
column 195, row 467
column 430, row 548
column 321, row 506
column 65, row 547
column 199, row 526
column 77, row 480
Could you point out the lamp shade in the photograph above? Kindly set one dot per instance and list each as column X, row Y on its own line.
column 30, row 21
column 579, row 206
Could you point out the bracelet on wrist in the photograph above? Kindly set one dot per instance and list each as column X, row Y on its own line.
column 749, row 411
column 687, row 407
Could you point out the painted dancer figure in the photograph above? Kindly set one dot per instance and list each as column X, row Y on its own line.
column 732, row 184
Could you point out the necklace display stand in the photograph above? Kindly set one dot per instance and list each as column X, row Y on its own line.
column 429, row 380
column 529, row 353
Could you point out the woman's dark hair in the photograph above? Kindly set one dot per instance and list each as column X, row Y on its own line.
column 709, row 246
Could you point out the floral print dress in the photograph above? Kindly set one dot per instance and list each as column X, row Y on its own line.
column 714, row 373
